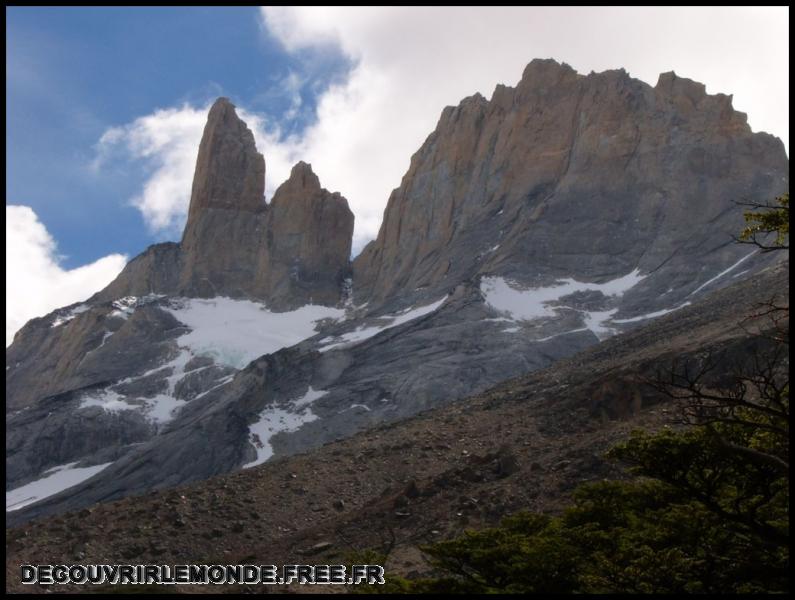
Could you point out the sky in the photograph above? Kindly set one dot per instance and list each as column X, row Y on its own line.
column 105, row 106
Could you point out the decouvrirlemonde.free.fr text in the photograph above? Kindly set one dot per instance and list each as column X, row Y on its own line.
column 201, row 574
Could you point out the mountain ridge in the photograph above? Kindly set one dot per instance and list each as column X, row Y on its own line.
column 528, row 227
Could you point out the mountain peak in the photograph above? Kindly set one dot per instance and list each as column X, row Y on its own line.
column 230, row 172
column 302, row 176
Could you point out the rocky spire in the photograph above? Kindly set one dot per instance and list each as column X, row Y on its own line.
column 225, row 231
column 230, row 173
column 294, row 251
column 309, row 240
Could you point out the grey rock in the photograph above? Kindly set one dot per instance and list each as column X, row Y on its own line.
column 316, row 549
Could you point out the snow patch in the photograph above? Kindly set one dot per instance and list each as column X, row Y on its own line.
column 273, row 421
column 544, row 339
column 70, row 315
column 363, row 332
column 57, row 479
column 529, row 304
column 109, row 401
column 722, row 273
column 308, row 398
column 596, row 321
column 159, row 409
column 651, row 315
column 235, row 332
column 534, row 303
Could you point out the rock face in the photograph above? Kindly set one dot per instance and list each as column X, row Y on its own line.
column 309, row 241
column 230, row 173
column 225, row 231
column 289, row 253
column 572, row 176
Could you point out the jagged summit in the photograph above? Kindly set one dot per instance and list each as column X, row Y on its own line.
column 230, row 172
column 568, row 175
column 309, row 245
column 303, row 176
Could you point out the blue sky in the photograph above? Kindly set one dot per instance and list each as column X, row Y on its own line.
column 105, row 106
column 73, row 73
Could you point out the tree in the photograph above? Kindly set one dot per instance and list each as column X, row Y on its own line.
column 773, row 219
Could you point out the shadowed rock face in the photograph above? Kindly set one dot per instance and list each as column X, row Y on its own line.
column 572, row 176
column 293, row 252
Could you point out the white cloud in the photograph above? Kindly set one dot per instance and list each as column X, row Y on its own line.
column 409, row 62
column 35, row 283
column 168, row 141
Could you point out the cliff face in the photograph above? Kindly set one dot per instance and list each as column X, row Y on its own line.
column 571, row 175
column 289, row 253
column 225, row 230
column 309, row 241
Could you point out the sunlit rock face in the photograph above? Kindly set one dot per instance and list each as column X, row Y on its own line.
column 570, row 175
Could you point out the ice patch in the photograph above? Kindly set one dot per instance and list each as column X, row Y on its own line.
column 57, row 479
column 235, row 332
column 362, row 332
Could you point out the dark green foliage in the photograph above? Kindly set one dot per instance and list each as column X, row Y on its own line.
column 774, row 218
column 640, row 536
